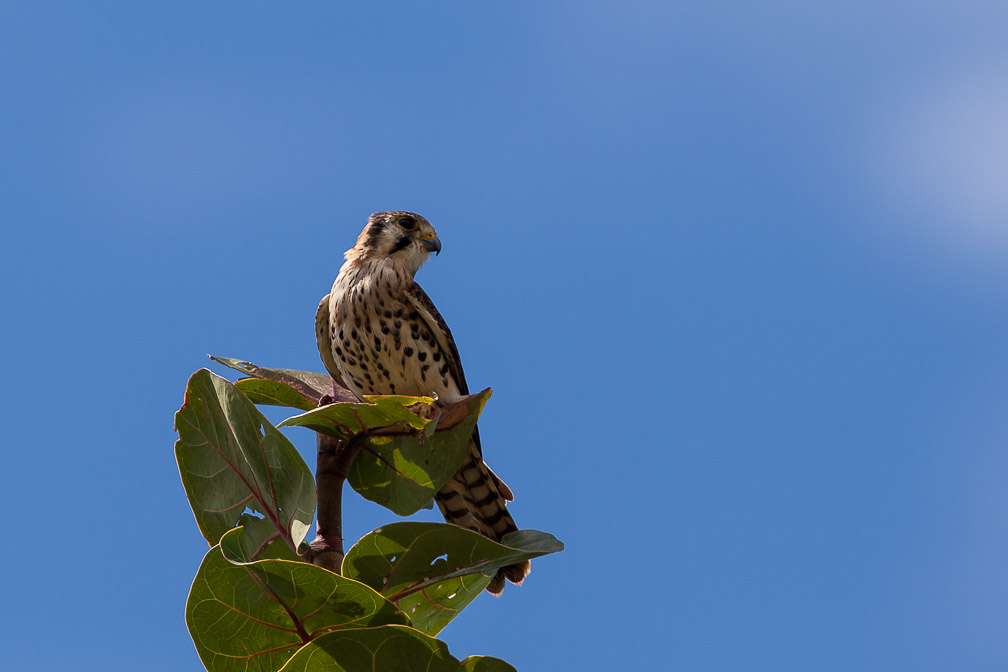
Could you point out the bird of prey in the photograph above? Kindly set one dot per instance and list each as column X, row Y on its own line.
column 379, row 333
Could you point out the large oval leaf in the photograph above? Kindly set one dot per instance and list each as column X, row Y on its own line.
column 299, row 389
column 404, row 461
column 273, row 393
column 402, row 473
column 235, row 464
column 389, row 414
column 255, row 615
column 485, row 664
column 434, row 570
column 388, row 648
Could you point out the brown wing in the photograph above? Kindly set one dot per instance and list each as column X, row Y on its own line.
column 323, row 338
column 442, row 334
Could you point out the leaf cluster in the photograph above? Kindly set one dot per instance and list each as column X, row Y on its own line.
column 255, row 603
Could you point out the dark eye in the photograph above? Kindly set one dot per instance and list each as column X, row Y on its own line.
column 407, row 223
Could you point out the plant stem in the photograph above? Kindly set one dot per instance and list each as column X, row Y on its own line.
column 334, row 458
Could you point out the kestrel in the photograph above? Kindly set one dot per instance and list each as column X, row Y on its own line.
column 379, row 333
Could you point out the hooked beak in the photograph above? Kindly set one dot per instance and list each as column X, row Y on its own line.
column 432, row 245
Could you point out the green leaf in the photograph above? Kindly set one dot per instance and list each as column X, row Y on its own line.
column 403, row 473
column 231, row 459
column 485, row 664
column 434, row 570
column 273, row 393
column 377, row 413
column 388, row 648
column 307, row 387
column 255, row 615
column 403, row 462
column 240, row 547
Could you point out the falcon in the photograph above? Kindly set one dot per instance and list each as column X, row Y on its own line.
column 379, row 333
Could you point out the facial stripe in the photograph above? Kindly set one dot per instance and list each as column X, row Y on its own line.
column 403, row 242
column 373, row 231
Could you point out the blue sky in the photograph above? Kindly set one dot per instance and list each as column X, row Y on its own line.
column 736, row 274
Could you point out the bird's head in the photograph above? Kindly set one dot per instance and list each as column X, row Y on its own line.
column 404, row 236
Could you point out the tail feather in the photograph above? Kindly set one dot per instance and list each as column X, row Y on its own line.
column 472, row 499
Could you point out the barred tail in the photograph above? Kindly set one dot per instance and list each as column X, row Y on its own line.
column 475, row 499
